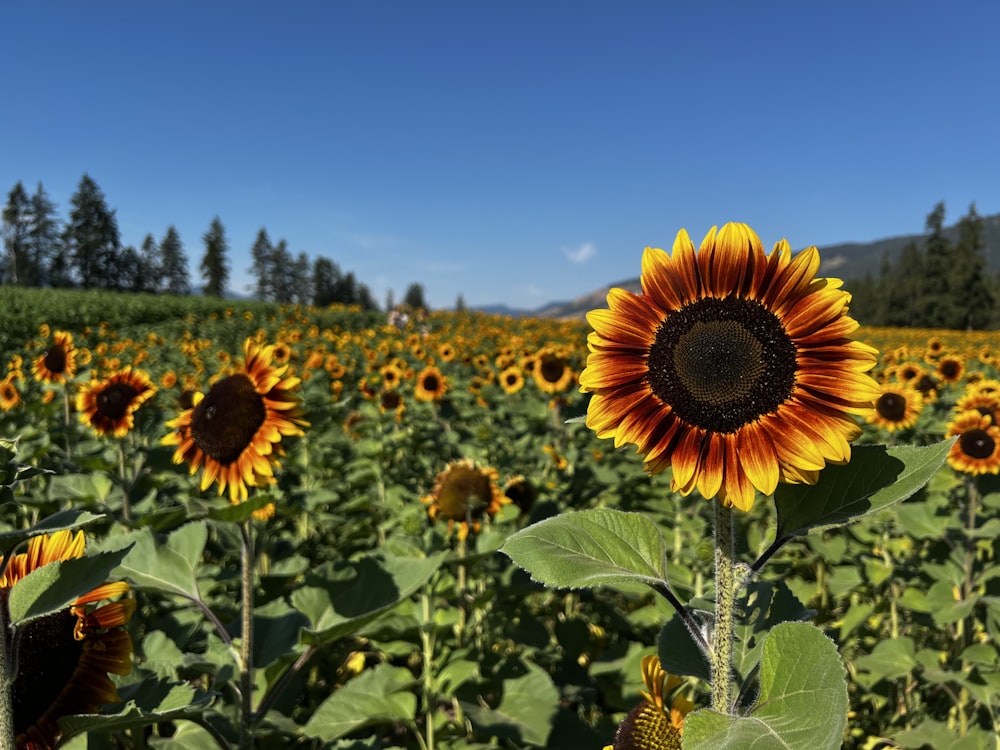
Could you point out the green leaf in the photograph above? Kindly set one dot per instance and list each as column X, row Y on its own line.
column 64, row 519
column 145, row 703
column 375, row 696
column 55, row 586
column 525, row 712
column 341, row 597
column 889, row 659
column 591, row 548
column 803, row 699
column 241, row 511
column 168, row 565
column 876, row 478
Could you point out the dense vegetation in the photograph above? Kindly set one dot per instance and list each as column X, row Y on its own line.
column 377, row 626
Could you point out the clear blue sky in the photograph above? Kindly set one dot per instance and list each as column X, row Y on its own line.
column 516, row 152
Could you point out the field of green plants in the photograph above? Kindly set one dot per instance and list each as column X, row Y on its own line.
column 383, row 613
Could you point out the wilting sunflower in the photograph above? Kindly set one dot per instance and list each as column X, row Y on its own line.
column 552, row 372
column 64, row 658
column 512, row 380
column 897, row 408
column 733, row 367
column 234, row 431
column 58, row 363
column 9, row 395
column 431, row 384
column 650, row 726
column 108, row 406
column 977, row 450
column 464, row 494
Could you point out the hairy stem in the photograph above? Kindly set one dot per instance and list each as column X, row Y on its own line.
column 721, row 653
column 246, row 642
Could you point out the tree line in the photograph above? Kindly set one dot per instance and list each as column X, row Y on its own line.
column 85, row 251
column 935, row 283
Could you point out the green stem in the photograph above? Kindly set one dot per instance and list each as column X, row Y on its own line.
column 427, row 642
column 6, row 682
column 246, row 642
column 126, row 484
column 725, row 611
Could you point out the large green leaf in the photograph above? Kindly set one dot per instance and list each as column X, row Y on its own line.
column 803, row 699
column 525, row 712
column 591, row 548
column 876, row 478
column 341, row 597
column 64, row 519
column 55, row 586
column 378, row 695
column 170, row 564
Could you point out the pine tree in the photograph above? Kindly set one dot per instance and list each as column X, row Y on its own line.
column 174, row 263
column 325, row 278
column 280, row 264
column 460, row 303
column 214, row 264
column 301, row 280
column 414, row 297
column 44, row 242
column 150, row 266
column 16, row 228
column 936, row 310
column 973, row 298
column 91, row 237
column 262, row 252
column 130, row 270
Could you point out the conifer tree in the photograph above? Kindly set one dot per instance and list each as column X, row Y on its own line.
column 280, row 264
column 174, row 263
column 414, row 297
column 91, row 237
column 973, row 297
column 150, row 266
column 325, row 279
column 262, row 252
column 44, row 242
column 214, row 264
column 16, row 228
column 301, row 280
column 936, row 308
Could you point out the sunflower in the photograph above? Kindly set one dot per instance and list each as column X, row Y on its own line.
column 977, row 450
column 950, row 368
column 392, row 401
column 650, row 726
column 64, row 658
column 234, row 431
column 552, row 373
column 464, row 494
column 108, row 406
column 9, row 395
column 733, row 367
column 897, row 408
column 431, row 384
column 985, row 402
column 512, row 380
column 521, row 492
column 58, row 363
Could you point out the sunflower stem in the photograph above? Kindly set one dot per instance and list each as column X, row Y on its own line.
column 6, row 682
column 246, row 642
column 723, row 634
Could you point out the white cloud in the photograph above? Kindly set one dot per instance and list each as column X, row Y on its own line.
column 581, row 253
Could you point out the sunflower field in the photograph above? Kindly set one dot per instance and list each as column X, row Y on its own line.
column 293, row 518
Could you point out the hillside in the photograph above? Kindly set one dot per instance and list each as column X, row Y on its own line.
column 847, row 260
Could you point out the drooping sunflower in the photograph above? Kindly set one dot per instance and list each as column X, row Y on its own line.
column 9, row 395
column 733, row 367
column 464, row 494
column 977, row 450
column 650, row 725
column 234, row 432
column 431, row 384
column 58, row 363
column 897, row 408
column 108, row 406
column 64, row 658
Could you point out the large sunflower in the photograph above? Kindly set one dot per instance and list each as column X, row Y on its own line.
column 64, row 658
column 552, row 372
column 733, row 367
column 109, row 406
column 234, row 432
column 650, row 725
column 58, row 363
column 977, row 450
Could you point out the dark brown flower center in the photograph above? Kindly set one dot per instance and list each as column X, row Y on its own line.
column 55, row 359
column 551, row 369
column 47, row 657
column 224, row 423
column 722, row 363
column 113, row 400
column 977, row 444
column 430, row 383
column 647, row 727
column 891, row 406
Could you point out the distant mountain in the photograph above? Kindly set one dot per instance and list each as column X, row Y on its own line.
column 847, row 260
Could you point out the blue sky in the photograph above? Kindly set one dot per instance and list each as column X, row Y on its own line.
column 512, row 152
